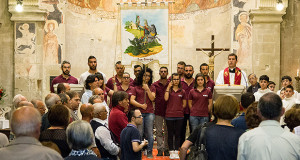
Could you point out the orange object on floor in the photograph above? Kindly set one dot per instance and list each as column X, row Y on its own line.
column 154, row 153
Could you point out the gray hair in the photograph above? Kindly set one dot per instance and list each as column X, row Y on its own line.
column 34, row 102
column 79, row 135
column 252, row 74
column 25, row 121
column 92, row 98
column 95, row 89
column 97, row 108
column 51, row 99
column 17, row 99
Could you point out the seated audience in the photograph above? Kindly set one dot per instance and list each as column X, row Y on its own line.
column 25, row 103
column 254, row 85
column 59, row 119
column 17, row 99
column 91, row 83
column 252, row 118
column 269, row 141
column 240, row 121
column 39, row 105
column 103, row 137
column 86, row 111
column 63, row 88
column 50, row 100
column 80, row 137
column 73, row 104
column 222, row 138
column 292, row 117
column 25, row 124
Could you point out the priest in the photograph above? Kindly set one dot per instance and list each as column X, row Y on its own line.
column 232, row 75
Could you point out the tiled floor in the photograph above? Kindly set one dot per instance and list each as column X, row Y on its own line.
column 156, row 158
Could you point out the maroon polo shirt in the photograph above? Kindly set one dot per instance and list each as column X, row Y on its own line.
column 61, row 79
column 133, row 83
column 210, row 84
column 129, row 91
column 174, row 104
column 117, row 121
column 110, row 84
column 139, row 94
column 200, row 102
column 160, row 103
column 187, row 89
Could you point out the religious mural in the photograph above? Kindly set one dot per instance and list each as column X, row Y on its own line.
column 25, row 38
column 242, row 30
column 51, row 46
column 144, row 33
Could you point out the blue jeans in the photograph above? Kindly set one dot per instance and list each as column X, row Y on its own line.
column 147, row 128
column 195, row 121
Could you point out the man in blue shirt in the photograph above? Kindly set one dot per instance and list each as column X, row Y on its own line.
column 131, row 144
column 240, row 122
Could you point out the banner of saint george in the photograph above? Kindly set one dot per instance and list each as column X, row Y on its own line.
column 144, row 35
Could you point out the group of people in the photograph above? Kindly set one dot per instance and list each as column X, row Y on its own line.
column 117, row 116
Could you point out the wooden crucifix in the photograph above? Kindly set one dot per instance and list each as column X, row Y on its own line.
column 211, row 54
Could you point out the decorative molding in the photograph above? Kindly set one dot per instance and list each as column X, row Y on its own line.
column 266, row 16
column 31, row 11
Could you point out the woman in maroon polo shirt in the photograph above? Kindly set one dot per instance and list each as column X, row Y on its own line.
column 176, row 102
column 125, row 86
column 142, row 98
column 200, row 102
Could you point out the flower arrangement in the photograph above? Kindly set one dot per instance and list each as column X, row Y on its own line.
column 2, row 94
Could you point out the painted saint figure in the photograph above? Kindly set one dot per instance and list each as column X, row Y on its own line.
column 243, row 35
column 26, row 43
column 50, row 43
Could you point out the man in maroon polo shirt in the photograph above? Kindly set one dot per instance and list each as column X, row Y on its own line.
column 180, row 70
column 117, row 120
column 65, row 77
column 118, row 77
column 210, row 84
column 187, row 83
column 137, row 69
column 160, row 111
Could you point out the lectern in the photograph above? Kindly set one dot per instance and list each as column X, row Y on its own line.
column 236, row 91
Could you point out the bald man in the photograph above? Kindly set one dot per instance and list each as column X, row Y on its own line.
column 86, row 111
column 99, row 92
column 24, row 103
column 25, row 124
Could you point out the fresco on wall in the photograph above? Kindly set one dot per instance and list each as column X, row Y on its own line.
column 144, row 33
column 242, row 31
column 25, row 38
column 50, row 43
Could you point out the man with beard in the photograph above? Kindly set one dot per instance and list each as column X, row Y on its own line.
column 137, row 69
column 180, row 70
column 120, row 71
column 160, row 111
column 92, row 63
column 210, row 84
column 187, row 83
column 65, row 77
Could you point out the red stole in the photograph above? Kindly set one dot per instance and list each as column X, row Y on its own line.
column 237, row 77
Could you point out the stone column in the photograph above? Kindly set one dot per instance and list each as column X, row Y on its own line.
column 266, row 42
column 28, row 48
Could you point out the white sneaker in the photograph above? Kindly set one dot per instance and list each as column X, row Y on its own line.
column 176, row 156
column 171, row 155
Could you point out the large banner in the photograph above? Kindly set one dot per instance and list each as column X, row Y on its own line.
column 144, row 35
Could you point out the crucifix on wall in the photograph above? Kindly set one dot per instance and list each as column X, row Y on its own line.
column 211, row 54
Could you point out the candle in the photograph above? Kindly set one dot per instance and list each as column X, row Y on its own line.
column 297, row 72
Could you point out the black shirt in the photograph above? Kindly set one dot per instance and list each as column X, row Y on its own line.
column 222, row 142
column 128, row 135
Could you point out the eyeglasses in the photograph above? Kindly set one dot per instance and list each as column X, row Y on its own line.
column 163, row 71
column 175, row 79
column 139, row 116
column 126, row 77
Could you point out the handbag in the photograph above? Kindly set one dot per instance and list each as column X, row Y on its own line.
column 198, row 151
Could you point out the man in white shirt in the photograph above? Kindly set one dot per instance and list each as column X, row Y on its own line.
column 92, row 63
column 103, row 136
column 232, row 75
column 269, row 141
